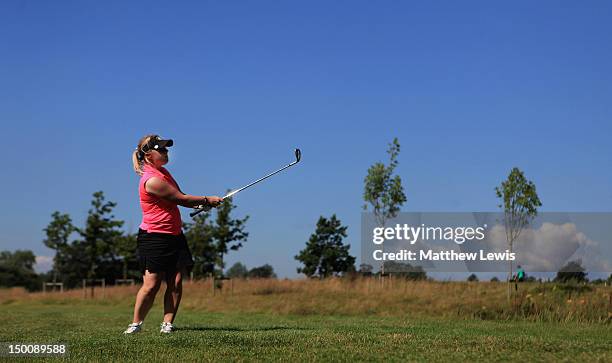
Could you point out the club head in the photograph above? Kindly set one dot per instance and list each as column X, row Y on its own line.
column 298, row 155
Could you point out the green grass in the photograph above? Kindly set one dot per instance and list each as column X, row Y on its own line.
column 93, row 331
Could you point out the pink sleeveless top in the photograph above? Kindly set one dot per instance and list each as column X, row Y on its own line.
column 158, row 215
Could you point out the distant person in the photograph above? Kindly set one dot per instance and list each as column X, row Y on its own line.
column 520, row 274
column 162, row 248
column 519, row 277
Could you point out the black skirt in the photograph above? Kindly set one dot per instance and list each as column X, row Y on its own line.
column 163, row 252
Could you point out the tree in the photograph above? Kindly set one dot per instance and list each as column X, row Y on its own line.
column 209, row 242
column 237, row 271
column 228, row 233
column 73, row 264
column 494, row 279
column 262, row 272
column 125, row 250
column 383, row 191
column 58, row 232
column 102, row 251
column 325, row 254
column 520, row 202
column 199, row 236
column 472, row 278
column 70, row 263
column 572, row 271
column 99, row 239
column 17, row 269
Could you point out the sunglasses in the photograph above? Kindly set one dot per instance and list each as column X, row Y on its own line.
column 155, row 143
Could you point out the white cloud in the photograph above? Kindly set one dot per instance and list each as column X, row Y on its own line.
column 43, row 264
column 551, row 246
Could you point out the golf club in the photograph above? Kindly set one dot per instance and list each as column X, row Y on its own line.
column 298, row 156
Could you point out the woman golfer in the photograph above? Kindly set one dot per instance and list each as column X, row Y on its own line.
column 162, row 247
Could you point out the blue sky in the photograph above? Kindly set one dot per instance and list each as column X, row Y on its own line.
column 471, row 89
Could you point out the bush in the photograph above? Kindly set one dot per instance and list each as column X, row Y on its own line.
column 572, row 271
column 17, row 269
column 237, row 271
column 263, row 272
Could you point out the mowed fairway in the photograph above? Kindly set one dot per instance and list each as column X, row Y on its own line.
column 93, row 331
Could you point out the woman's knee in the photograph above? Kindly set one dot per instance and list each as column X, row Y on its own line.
column 175, row 289
column 175, row 282
column 151, row 283
column 178, row 279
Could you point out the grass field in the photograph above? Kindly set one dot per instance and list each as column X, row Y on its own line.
column 278, row 320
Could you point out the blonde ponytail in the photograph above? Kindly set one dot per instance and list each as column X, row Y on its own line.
column 137, row 163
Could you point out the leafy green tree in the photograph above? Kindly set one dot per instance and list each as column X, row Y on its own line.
column 325, row 254
column 199, row 234
column 210, row 241
column 58, row 232
column 237, row 271
column 228, row 233
column 73, row 264
column 99, row 239
column 383, row 191
column 70, row 262
column 17, row 269
column 520, row 202
column 262, row 272
column 102, row 251
column 572, row 271
column 125, row 250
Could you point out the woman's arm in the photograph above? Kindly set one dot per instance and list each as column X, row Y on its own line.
column 160, row 188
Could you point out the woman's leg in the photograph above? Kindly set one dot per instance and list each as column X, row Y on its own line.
column 172, row 297
column 146, row 294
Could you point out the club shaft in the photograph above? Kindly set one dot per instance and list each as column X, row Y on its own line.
column 197, row 211
column 257, row 181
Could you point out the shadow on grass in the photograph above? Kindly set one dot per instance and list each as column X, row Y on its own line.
column 216, row 328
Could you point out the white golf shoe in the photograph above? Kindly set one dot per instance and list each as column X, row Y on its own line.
column 167, row 328
column 133, row 328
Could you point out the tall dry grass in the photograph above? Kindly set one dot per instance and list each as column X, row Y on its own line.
column 368, row 296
